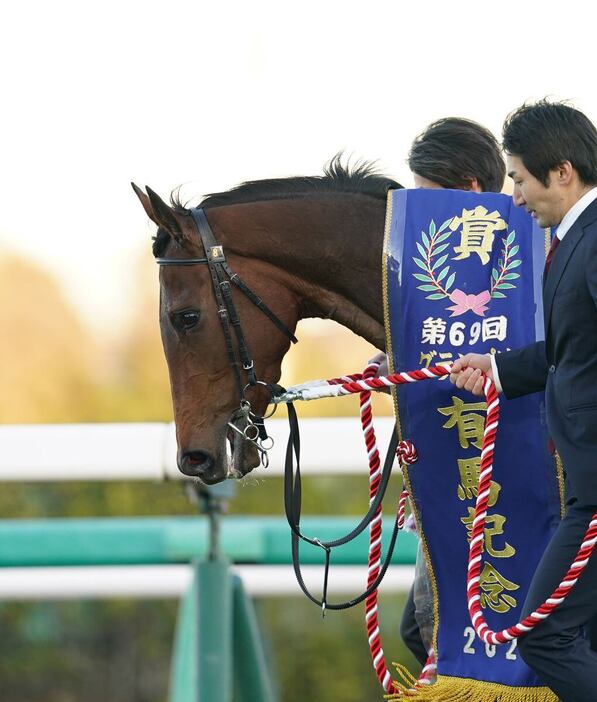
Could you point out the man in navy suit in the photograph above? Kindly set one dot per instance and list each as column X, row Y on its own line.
column 551, row 151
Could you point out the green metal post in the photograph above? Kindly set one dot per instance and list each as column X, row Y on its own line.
column 253, row 680
column 202, row 661
column 214, row 651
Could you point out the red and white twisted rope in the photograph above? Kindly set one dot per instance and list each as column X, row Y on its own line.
column 477, row 541
column 406, row 454
column 354, row 384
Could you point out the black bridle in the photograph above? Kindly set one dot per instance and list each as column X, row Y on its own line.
column 223, row 278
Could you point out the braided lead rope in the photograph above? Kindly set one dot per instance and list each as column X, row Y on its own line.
column 352, row 384
column 429, row 672
column 375, row 530
column 477, row 537
column 406, row 453
column 477, row 543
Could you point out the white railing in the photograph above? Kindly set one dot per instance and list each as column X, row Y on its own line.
column 157, row 581
column 147, row 451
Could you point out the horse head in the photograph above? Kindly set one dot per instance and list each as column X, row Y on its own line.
column 205, row 363
column 307, row 247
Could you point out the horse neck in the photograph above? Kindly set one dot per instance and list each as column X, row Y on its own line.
column 326, row 250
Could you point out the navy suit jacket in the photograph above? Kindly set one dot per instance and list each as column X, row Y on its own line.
column 565, row 364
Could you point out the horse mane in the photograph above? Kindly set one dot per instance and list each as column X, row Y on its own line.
column 361, row 178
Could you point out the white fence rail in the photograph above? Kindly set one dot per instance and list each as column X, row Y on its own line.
column 164, row 581
column 147, row 451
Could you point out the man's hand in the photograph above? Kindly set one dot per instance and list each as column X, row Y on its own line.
column 382, row 359
column 465, row 373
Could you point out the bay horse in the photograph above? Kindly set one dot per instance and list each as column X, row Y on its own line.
column 308, row 247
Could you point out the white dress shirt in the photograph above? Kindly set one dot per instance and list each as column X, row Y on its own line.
column 567, row 221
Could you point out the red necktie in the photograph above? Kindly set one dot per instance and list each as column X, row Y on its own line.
column 554, row 245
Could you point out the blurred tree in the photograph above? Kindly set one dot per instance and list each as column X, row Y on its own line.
column 47, row 358
column 139, row 389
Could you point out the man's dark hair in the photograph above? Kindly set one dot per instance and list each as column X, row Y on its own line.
column 545, row 134
column 453, row 151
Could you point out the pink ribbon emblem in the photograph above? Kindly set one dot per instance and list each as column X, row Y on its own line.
column 463, row 303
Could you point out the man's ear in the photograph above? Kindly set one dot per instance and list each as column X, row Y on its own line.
column 473, row 186
column 565, row 173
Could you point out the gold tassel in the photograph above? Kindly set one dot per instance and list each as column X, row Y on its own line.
column 405, row 674
column 451, row 689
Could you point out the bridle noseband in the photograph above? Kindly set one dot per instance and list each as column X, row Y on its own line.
column 223, row 278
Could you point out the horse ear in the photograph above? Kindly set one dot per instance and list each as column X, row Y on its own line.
column 163, row 215
column 145, row 202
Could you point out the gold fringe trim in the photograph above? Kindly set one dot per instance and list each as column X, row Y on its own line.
column 451, row 689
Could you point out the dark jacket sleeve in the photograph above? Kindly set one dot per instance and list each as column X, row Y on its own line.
column 523, row 371
column 591, row 269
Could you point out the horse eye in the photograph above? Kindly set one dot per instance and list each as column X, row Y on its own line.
column 185, row 320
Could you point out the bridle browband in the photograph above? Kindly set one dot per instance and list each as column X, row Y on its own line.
column 223, row 277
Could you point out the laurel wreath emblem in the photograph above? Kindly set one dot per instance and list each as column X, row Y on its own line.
column 436, row 279
column 433, row 246
column 506, row 264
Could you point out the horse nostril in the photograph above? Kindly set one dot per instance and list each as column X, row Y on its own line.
column 197, row 464
column 198, row 458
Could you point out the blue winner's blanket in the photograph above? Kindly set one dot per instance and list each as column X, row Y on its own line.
column 462, row 273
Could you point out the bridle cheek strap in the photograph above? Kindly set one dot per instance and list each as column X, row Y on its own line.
column 222, row 278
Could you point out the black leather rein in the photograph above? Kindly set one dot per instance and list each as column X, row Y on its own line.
column 292, row 504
